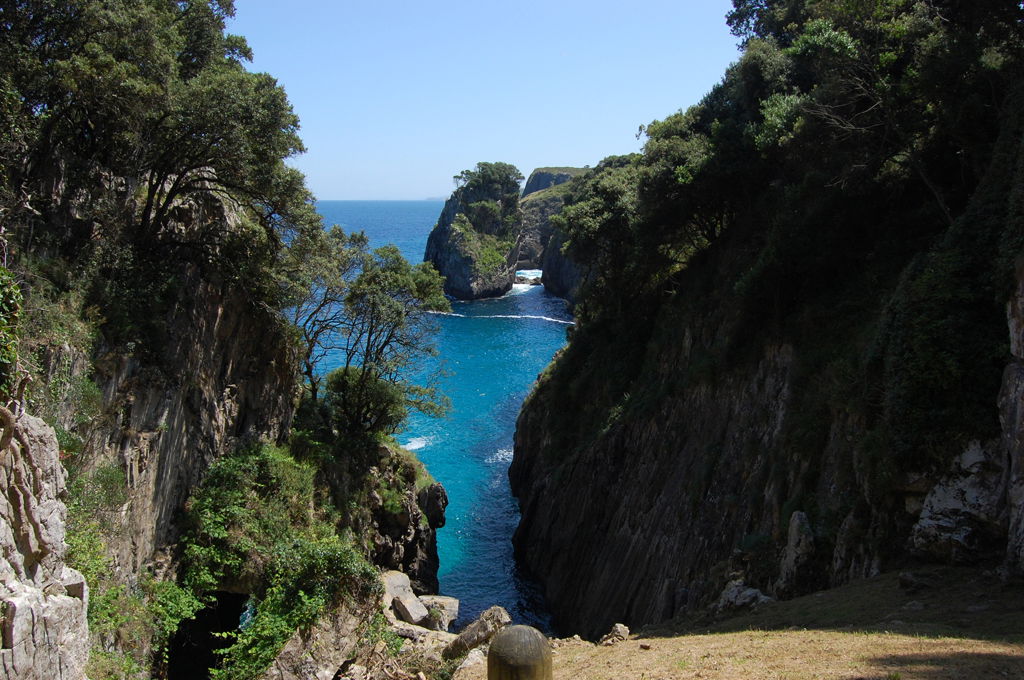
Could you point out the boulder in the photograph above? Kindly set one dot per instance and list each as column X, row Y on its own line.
column 478, row 632
column 737, row 595
column 618, row 633
column 398, row 594
column 443, row 610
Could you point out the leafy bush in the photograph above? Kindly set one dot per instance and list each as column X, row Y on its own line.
column 10, row 308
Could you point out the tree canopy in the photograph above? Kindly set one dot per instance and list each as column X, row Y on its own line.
column 153, row 93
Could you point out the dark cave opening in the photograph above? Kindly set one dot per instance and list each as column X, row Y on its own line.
column 193, row 649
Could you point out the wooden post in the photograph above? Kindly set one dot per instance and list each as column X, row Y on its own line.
column 519, row 653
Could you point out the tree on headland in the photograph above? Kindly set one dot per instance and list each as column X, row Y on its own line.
column 504, row 177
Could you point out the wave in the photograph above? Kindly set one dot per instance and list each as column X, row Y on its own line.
column 506, row 316
column 500, row 456
column 530, row 273
column 417, row 443
column 521, row 289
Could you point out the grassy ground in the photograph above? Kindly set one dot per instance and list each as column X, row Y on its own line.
column 959, row 624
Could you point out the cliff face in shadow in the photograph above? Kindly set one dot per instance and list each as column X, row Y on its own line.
column 225, row 374
column 691, row 439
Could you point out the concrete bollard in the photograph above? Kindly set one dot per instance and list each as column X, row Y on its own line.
column 519, row 653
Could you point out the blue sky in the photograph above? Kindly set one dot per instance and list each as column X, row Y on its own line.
column 396, row 97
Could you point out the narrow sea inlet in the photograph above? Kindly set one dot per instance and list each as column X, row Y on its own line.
column 491, row 352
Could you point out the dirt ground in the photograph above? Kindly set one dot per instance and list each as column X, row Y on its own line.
column 958, row 625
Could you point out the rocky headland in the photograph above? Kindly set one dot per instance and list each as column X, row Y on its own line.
column 487, row 230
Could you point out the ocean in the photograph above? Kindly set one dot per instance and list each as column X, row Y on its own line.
column 491, row 352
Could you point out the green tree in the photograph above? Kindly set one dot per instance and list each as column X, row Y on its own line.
column 502, row 178
column 317, row 268
column 386, row 332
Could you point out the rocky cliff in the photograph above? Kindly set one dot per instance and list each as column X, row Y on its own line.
column 698, row 442
column 544, row 178
column 538, row 208
column 43, row 602
column 164, row 421
column 219, row 372
column 474, row 244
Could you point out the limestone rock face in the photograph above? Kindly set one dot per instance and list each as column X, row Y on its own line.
column 962, row 515
column 1011, row 415
column 629, row 513
column 799, row 550
column 451, row 252
column 43, row 602
column 165, row 423
column 404, row 538
column 694, row 472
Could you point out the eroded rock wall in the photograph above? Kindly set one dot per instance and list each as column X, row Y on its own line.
column 43, row 630
column 226, row 375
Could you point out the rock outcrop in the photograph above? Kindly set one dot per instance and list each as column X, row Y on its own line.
column 474, row 243
column 401, row 533
column 483, row 235
column 544, row 178
column 43, row 630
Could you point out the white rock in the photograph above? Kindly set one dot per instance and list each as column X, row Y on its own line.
column 398, row 594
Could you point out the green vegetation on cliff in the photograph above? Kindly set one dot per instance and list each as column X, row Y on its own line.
column 833, row 168
column 147, row 215
column 845, row 205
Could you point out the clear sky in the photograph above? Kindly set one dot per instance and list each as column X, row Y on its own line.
column 397, row 96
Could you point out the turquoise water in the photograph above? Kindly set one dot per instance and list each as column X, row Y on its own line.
column 492, row 351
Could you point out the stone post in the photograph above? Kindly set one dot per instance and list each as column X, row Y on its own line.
column 519, row 653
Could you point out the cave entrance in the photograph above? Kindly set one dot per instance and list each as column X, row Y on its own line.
column 192, row 651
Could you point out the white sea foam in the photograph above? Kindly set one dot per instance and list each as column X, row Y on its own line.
column 506, row 316
column 520, row 288
column 417, row 443
column 500, row 456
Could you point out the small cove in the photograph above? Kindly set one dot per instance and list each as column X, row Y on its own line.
column 491, row 352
